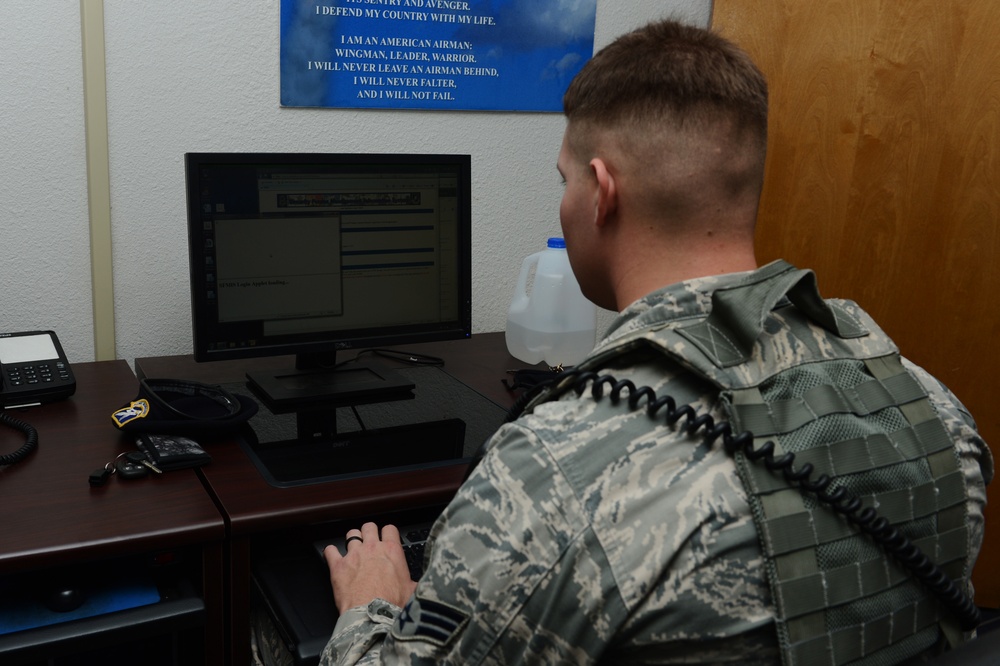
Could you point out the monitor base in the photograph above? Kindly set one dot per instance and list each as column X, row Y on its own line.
column 297, row 390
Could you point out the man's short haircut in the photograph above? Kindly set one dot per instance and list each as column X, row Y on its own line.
column 668, row 75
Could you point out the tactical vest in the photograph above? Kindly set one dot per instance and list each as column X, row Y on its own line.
column 826, row 384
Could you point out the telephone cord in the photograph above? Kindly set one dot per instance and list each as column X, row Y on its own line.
column 839, row 499
column 31, row 439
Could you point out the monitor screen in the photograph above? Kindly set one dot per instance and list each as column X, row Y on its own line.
column 309, row 254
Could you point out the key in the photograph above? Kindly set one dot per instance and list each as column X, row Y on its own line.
column 149, row 463
column 137, row 457
column 100, row 476
column 140, row 458
column 128, row 468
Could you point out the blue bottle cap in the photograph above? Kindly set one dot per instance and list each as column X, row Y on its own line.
column 557, row 242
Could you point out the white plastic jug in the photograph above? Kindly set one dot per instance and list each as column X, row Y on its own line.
column 555, row 322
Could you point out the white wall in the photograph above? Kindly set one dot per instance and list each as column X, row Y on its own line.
column 190, row 75
column 44, row 236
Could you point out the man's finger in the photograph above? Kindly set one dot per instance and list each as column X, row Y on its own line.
column 354, row 539
column 391, row 533
column 331, row 554
column 369, row 532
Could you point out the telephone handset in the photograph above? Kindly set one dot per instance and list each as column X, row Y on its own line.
column 33, row 369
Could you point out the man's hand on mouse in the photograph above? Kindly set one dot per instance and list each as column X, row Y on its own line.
column 374, row 568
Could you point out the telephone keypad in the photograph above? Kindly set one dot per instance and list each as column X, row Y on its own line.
column 33, row 369
column 14, row 377
column 20, row 375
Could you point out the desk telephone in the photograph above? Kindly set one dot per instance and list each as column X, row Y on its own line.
column 33, row 369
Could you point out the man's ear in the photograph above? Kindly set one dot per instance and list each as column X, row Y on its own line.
column 606, row 204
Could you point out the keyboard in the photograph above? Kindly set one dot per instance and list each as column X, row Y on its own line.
column 414, row 539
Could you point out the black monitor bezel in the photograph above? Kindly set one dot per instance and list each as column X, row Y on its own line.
column 327, row 343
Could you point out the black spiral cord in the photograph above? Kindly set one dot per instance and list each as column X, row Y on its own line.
column 31, row 441
column 839, row 499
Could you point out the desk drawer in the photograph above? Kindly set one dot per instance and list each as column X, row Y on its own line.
column 159, row 605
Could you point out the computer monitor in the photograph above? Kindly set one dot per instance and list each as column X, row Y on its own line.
column 310, row 254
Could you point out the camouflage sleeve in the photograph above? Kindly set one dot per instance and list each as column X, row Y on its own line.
column 500, row 554
column 974, row 455
column 511, row 547
column 358, row 634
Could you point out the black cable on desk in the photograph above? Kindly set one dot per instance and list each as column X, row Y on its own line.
column 413, row 358
column 30, row 444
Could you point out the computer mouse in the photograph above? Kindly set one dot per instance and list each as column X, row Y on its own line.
column 62, row 599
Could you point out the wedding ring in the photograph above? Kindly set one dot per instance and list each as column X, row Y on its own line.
column 353, row 538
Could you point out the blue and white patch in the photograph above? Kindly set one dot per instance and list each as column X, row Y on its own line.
column 430, row 621
column 137, row 409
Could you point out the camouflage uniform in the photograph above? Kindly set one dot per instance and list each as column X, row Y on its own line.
column 590, row 532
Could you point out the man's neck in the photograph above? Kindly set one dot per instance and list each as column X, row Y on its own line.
column 655, row 268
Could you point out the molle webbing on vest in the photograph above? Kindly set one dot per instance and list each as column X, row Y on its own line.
column 881, row 440
column 821, row 380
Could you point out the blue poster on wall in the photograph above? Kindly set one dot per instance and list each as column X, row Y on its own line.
column 496, row 55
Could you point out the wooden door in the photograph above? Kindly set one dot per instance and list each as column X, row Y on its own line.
column 884, row 176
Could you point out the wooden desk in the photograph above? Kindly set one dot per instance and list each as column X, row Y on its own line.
column 52, row 517
column 253, row 507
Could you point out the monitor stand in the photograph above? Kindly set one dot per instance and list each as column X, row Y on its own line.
column 318, row 384
column 318, row 452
